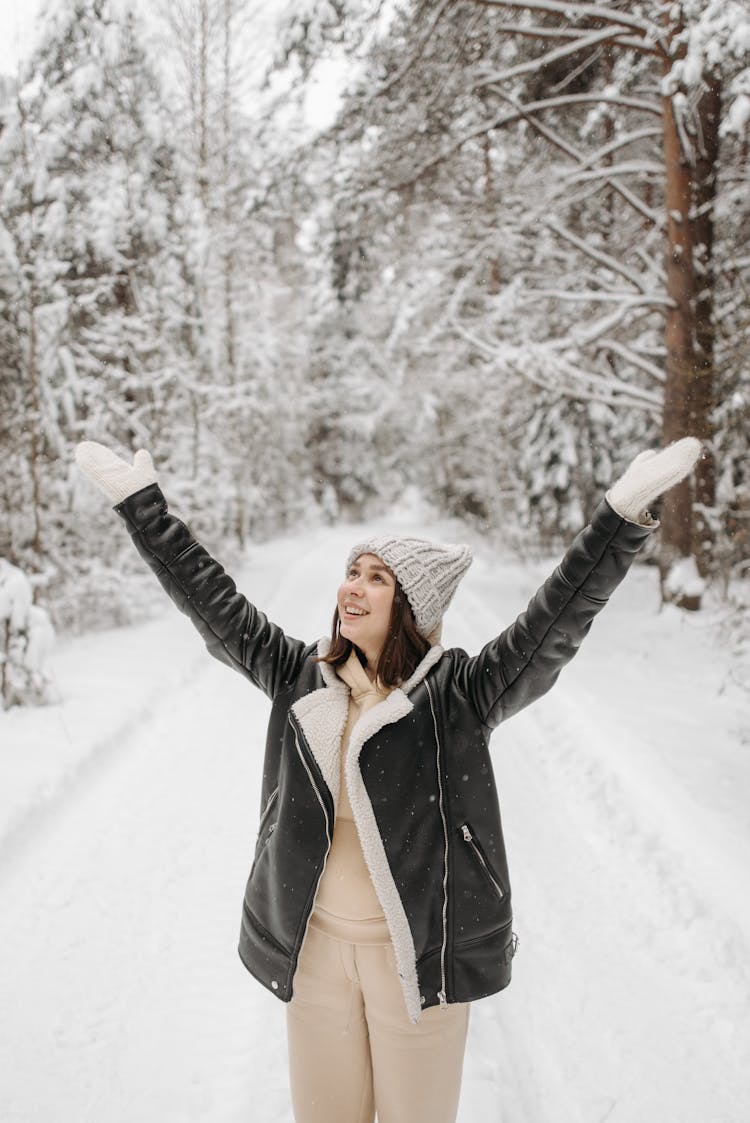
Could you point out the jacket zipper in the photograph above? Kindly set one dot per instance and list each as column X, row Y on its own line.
column 442, row 999
column 474, row 847
column 314, row 787
column 267, row 811
column 327, row 822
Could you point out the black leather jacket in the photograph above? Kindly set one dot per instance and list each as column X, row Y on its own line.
column 419, row 773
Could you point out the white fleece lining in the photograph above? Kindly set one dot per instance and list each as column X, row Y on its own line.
column 392, row 709
column 322, row 715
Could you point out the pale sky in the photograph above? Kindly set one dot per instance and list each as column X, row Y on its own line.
column 16, row 32
column 17, row 37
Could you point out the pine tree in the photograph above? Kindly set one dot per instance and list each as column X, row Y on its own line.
column 92, row 215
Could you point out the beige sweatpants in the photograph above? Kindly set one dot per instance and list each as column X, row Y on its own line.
column 353, row 1050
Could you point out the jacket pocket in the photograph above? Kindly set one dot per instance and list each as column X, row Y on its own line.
column 270, row 804
column 481, row 860
column 266, row 827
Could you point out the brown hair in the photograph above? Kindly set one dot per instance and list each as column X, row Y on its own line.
column 403, row 650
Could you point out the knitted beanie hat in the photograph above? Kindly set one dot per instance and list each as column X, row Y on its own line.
column 427, row 572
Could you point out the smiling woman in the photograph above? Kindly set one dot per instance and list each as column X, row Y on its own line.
column 378, row 905
column 365, row 604
column 382, row 610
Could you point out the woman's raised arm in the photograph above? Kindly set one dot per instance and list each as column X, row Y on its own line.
column 234, row 631
column 523, row 662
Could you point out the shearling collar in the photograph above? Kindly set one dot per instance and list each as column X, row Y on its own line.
column 322, row 713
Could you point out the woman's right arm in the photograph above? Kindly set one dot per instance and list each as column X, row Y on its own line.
column 233, row 630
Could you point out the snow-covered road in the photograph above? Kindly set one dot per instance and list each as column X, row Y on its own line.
column 129, row 822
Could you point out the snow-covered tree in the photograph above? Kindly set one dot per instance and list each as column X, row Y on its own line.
column 96, row 276
column 589, row 137
column 26, row 638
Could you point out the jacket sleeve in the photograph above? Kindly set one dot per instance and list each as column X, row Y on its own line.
column 522, row 663
column 234, row 630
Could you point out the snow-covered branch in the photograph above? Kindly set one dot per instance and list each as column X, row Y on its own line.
column 627, row 167
column 634, row 137
column 529, row 31
column 597, row 255
column 557, row 141
column 574, row 10
column 635, row 358
column 532, row 66
column 598, row 297
column 523, row 113
column 582, row 384
column 598, row 97
column 418, row 48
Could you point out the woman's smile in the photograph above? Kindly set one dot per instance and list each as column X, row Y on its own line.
column 365, row 602
column 354, row 610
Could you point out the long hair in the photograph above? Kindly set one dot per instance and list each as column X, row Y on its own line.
column 403, row 650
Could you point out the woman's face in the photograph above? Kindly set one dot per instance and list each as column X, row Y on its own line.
column 365, row 600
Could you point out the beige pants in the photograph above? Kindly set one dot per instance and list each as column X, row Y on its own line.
column 353, row 1050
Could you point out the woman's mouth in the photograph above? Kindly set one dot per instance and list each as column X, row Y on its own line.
column 354, row 610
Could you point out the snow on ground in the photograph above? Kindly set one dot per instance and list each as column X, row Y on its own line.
column 127, row 821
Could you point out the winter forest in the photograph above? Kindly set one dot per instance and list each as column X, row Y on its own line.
column 439, row 265
column 517, row 254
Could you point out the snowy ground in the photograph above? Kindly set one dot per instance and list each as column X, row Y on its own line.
column 127, row 821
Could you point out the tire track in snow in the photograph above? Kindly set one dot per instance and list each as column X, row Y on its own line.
column 124, row 994
column 127, row 995
column 138, row 969
column 39, row 817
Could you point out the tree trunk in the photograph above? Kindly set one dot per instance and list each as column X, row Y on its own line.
column 493, row 281
column 701, row 397
column 227, row 233
column 31, row 355
column 676, row 518
column 203, row 33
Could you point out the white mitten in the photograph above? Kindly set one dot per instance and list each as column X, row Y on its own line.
column 113, row 475
column 651, row 474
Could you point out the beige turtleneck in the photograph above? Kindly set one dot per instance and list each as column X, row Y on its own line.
column 345, row 889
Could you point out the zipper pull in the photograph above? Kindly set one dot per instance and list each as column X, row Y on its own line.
column 466, row 833
column 442, row 999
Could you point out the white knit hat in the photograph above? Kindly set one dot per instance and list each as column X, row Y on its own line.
column 427, row 572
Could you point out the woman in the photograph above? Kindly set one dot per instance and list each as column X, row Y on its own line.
column 378, row 905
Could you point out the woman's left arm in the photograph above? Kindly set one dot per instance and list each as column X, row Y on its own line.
column 523, row 662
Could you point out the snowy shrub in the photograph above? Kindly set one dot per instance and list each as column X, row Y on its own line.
column 26, row 637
